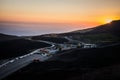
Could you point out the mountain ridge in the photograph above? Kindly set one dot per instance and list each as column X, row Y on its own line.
column 5, row 37
column 109, row 27
column 109, row 32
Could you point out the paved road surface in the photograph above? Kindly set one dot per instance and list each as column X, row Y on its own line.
column 22, row 61
column 16, row 64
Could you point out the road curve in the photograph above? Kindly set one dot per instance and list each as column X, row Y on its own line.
column 17, row 63
column 22, row 61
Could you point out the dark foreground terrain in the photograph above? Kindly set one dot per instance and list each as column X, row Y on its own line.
column 13, row 46
column 78, row 64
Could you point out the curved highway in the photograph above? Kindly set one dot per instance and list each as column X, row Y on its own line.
column 41, row 54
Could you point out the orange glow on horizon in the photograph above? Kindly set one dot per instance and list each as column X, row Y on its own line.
column 108, row 20
column 88, row 13
column 75, row 20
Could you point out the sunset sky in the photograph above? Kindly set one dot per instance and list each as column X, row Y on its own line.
column 86, row 12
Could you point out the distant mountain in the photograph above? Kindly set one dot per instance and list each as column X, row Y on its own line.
column 113, row 28
column 4, row 37
column 104, row 33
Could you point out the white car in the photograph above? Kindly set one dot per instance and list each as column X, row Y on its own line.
column 21, row 56
column 12, row 61
column 31, row 53
column 17, row 58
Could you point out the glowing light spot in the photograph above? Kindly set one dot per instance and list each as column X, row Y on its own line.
column 108, row 20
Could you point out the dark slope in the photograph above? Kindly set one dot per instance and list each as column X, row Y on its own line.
column 104, row 33
column 12, row 46
column 5, row 37
column 101, row 34
column 50, row 38
column 113, row 28
column 79, row 64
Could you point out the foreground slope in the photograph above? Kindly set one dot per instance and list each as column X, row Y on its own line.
column 78, row 64
column 12, row 46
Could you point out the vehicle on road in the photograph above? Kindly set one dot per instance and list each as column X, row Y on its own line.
column 44, row 54
column 17, row 58
column 21, row 57
column 89, row 46
column 12, row 61
column 36, row 60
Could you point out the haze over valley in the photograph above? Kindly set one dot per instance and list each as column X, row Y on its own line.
column 28, row 29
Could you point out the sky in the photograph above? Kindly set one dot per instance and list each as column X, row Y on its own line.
column 77, row 12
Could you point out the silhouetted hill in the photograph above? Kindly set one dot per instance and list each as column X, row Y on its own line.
column 104, row 33
column 4, row 37
column 50, row 38
column 12, row 46
column 79, row 64
column 113, row 28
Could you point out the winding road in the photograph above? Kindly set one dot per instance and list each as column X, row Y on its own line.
column 17, row 63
